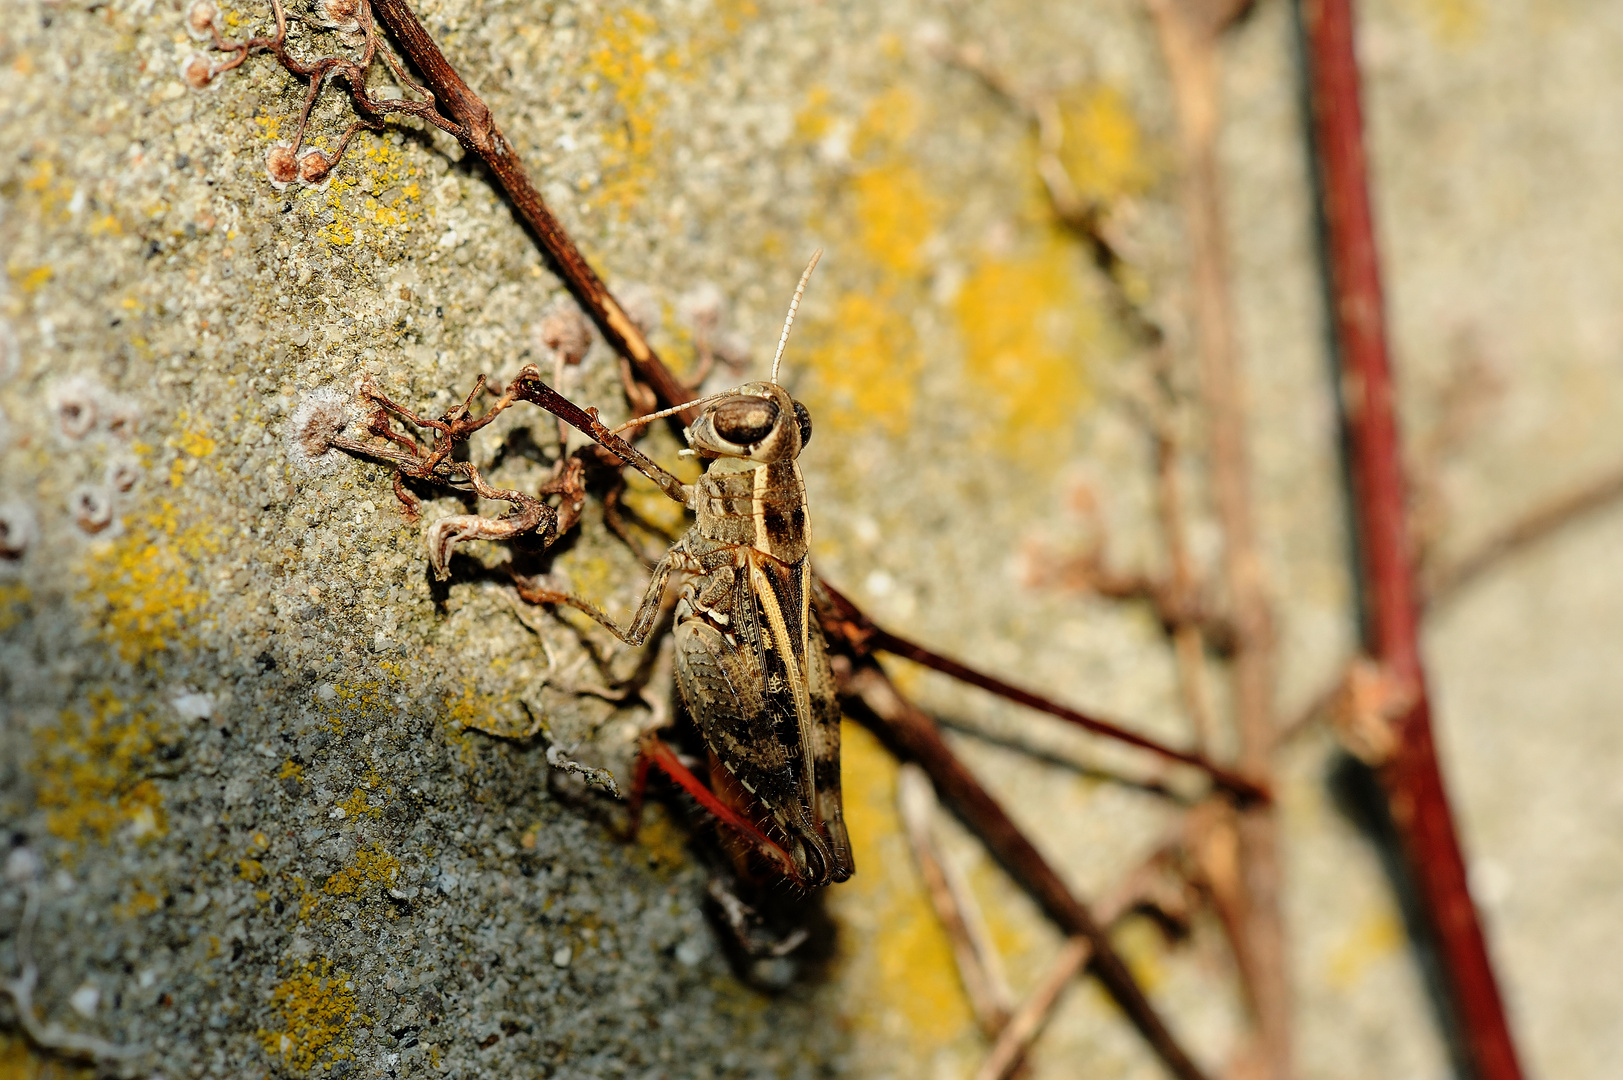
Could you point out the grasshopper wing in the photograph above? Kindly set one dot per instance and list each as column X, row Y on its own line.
column 745, row 728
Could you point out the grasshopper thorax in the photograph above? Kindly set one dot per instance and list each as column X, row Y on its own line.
column 758, row 422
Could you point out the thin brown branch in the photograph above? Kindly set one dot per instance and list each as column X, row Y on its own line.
column 1188, row 32
column 978, row 963
column 1532, row 529
column 870, row 697
column 1183, row 588
column 855, row 626
column 478, row 132
column 1015, row 1039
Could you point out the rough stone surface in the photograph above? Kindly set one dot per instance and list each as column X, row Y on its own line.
column 269, row 783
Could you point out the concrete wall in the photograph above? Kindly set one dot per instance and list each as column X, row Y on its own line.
column 246, row 763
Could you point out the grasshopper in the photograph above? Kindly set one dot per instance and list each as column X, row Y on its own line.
column 751, row 663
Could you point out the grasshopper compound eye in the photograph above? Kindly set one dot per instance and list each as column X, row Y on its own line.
column 745, row 420
column 803, row 418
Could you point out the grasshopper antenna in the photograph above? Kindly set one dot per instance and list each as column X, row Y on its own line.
column 648, row 418
column 777, row 357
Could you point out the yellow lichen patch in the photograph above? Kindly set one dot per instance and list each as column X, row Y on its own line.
column 467, row 711
column 1141, row 945
column 51, row 194
column 20, row 1061
column 896, row 213
column 31, row 278
column 1455, row 22
column 141, row 901
column 142, row 588
column 863, row 350
column 360, row 802
column 498, row 714
column 250, row 869
column 270, row 128
column 309, row 902
column 193, row 443
column 373, row 191
column 1029, row 325
column 866, row 360
column 633, row 55
column 291, row 770
column 1103, row 148
column 664, row 841
column 890, row 120
column 14, row 598
column 624, row 59
column 373, row 868
column 87, row 771
column 316, row 1005
column 367, row 701
column 1377, row 936
column 896, row 958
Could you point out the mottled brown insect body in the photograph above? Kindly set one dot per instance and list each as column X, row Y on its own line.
column 751, row 663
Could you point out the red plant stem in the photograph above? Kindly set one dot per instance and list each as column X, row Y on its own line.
column 1412, row 780
column 873, row 636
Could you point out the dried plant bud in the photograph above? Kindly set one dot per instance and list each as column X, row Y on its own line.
column 340, row 15
column 92, row 508
column 122, row 475
column 1371, row 700
column 566, row 332
column 281, row 165
column 196, row 71
column 314, row 165
column 17, row 530
column 732, row 349
column 200, row 20
column 703, row 308
column 641, row 306
column 119, row 418
column 320, row 418
column 76, row 403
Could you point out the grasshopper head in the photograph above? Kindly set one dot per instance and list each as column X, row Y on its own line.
column 758, row 422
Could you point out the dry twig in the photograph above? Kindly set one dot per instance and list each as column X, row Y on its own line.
column 871, row 697
column 978, row 963
column 1189, row 31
